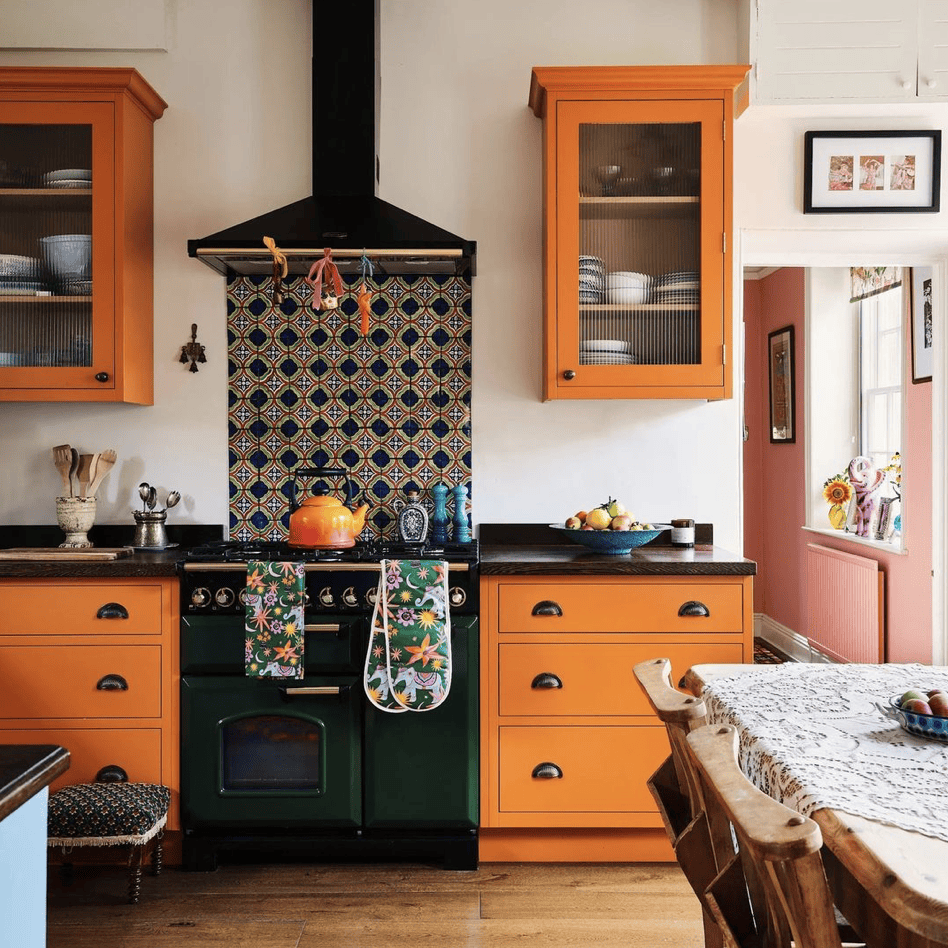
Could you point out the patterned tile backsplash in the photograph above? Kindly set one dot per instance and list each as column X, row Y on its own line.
column 307, row 389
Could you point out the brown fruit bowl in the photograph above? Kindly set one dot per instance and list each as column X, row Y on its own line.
column 612, row 542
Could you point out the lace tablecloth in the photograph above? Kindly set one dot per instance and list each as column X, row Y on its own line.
column 811, row 736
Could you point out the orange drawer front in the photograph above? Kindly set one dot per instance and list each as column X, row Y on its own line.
column 604, row 768
column 81, row 609
column 77, row 681
column 595, row 679
column 597, row 607
column 136, row 751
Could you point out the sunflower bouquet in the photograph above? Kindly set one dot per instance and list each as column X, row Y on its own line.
column 837, row 492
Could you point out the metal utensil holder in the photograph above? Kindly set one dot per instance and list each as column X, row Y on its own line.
column 150, row 529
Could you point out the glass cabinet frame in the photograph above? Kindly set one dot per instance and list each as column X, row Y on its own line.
column 90, row 339
column 572, row 101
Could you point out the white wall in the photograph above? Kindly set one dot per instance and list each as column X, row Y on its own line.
column 459, row 147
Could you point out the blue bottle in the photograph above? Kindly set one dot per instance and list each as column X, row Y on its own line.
column 439, row 517
column 462, row 533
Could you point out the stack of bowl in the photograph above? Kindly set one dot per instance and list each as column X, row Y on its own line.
column 627, row 288
column 68, row 178
column 592, row 272
column 606, row 352
column 68, row 259
column 20, row 276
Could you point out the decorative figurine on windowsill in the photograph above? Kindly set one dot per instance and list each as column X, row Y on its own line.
column 193, row 351
column 837, row 492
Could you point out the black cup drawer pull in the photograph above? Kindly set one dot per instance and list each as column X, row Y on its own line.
column 546, row 680
column 112, row 610
column 112, row 683
column 694, row 608
column 546, row 607
column 546, row 771
column 111, row 773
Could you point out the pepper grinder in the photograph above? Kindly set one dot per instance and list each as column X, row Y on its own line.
column 462, row 533
column 439, row 518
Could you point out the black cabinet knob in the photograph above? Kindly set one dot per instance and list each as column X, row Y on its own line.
column 694, row 608
column 111, row 683
column 546, row 607
column 102, row 376
column 546, row 680
column 569, row 375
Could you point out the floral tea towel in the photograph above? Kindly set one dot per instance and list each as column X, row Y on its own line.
column 408, row 662
column 273, row 647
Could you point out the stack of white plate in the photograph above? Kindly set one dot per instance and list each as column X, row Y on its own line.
column 68, row 178
column 606, row 352
column 591, row 279
column 627, row 287
column 21, row 276
column 678, row 288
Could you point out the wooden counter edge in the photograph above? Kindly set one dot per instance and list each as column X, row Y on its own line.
column 909, row 892
column 41, row 773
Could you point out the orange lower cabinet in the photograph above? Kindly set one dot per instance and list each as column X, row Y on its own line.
column 579, row 769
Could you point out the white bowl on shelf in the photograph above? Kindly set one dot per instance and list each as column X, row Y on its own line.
column 626, row 295
column 605, row 345
column 68, row 257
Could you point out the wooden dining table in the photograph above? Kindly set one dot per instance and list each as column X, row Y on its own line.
column 891, row 884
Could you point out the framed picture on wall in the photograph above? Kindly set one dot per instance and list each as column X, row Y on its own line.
column 865, row 172
column 781, row 369
column 921, row 324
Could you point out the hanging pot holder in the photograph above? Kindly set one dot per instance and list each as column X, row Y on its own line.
column 408, row 661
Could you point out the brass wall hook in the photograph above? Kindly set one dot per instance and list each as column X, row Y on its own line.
column 192, row 351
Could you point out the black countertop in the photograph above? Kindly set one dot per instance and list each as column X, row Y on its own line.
column 25, row 769
column 536, row 550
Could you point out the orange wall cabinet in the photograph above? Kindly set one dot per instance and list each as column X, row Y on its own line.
column 637, row 229
column 567, row 737
column 76, row 224
column 92, row 665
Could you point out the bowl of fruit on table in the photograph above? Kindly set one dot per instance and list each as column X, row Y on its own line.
column 609, row 529
column 923, row 713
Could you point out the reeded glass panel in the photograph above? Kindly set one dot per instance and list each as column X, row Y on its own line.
column 639, row 264
column 271, row 752
column 45, row 245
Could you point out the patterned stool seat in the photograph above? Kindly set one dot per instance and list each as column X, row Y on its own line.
column 111, row 814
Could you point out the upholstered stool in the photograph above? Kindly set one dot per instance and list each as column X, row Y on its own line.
column 112, row 814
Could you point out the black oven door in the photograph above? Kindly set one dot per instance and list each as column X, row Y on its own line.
column 262, row 753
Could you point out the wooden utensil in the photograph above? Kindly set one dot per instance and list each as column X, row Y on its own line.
column 62, row 458
column 84, row 473
column 73, row 467
column 104, row 463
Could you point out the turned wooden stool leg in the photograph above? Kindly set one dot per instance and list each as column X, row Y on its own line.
column 156, row 856
column 136, row 858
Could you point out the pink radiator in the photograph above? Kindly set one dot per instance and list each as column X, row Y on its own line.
column 845, row 605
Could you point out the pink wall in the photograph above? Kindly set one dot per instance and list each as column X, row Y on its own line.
column 774, row 498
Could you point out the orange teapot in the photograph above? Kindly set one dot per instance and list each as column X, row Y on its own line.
column 321, row 521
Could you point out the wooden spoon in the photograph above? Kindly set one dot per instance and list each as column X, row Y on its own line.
column 62, row 458
column 104, row 464
column 85, row 472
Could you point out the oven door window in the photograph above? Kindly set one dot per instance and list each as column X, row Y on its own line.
column 270, row 752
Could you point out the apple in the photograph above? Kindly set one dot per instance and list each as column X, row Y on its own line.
column 910, row 695
column 580, row 515
column 586, row 526
column 917, row 706
column 936, row 691
column 938, row 702
column 573, row 523
column 621, row 522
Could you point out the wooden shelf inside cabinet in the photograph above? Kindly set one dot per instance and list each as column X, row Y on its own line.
column 52, row 298
column 594, row 309
column 626, row 208
column 44, row 192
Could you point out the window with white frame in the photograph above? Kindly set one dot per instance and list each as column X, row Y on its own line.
column 880, row 376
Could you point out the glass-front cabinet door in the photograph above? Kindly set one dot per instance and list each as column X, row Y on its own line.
column 56, row 244
column 637, row 288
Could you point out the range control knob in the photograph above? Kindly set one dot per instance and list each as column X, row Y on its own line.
column 224, row 597
column 457, row 596
column 242, row 596
column 371, row 596
column 326, row 597
column 349, row 597
column 200, row 597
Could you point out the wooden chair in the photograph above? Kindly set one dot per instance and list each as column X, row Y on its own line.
column 777, row 847
column 701, row 841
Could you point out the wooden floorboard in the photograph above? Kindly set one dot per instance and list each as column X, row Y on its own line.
column 307, row 906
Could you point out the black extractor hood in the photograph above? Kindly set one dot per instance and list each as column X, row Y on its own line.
column 344, row 213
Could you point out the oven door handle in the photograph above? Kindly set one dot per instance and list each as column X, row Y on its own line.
column 315, row 690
